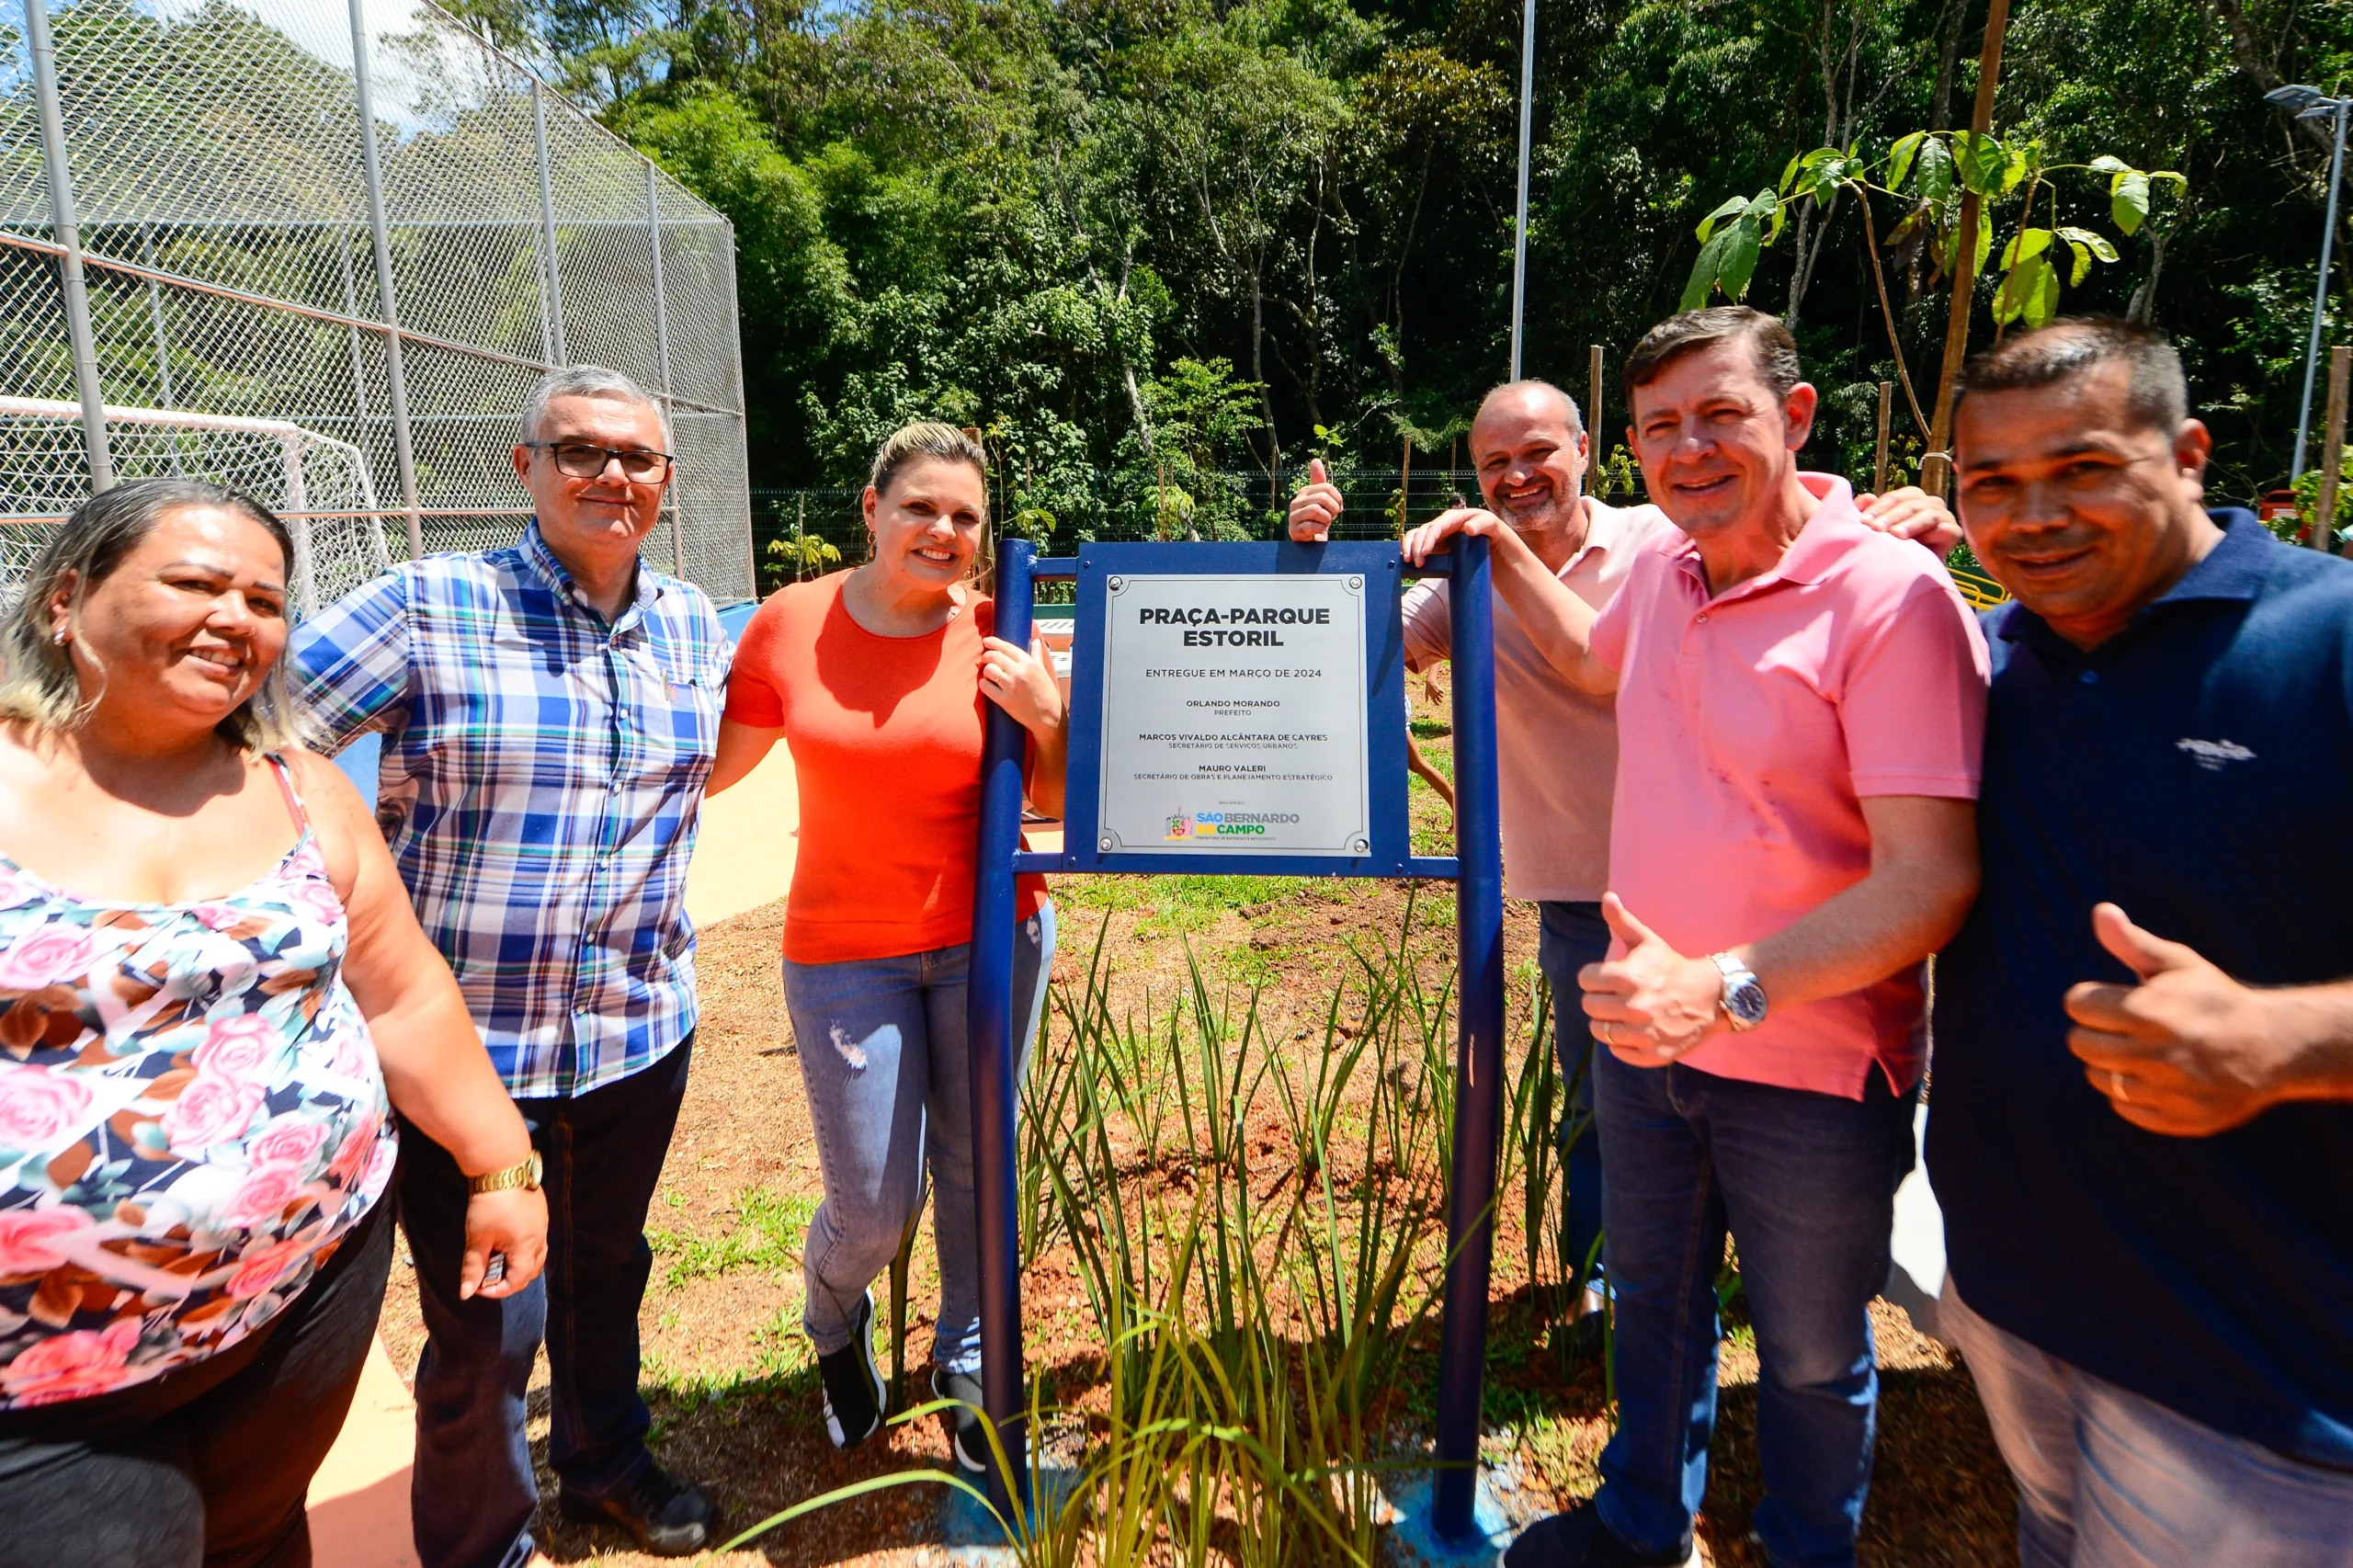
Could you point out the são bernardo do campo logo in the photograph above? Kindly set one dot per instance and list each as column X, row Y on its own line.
column 1224, row 824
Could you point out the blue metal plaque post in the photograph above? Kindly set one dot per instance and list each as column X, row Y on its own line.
column 1479, row 1047
column 1476, row 869
column 990, row 1059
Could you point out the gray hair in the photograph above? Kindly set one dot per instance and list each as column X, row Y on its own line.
column 928, row 438
column 1531, row 383
column 586, row 380
column 2158, row 394
column 38, row 683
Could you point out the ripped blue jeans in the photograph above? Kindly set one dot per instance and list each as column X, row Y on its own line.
column 882, row 1043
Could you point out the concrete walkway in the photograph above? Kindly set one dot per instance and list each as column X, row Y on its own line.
column 360, row 1498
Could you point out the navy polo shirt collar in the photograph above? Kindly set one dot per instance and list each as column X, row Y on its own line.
column 2234, row 569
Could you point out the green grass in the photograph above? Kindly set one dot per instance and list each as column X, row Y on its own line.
column 768, row 1239
column 1177, row 905
column 783, row 1372
column 1432, row 822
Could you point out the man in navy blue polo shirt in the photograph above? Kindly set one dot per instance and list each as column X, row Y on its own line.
column 2141, row 1124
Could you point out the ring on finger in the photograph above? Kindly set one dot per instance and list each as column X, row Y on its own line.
column 2116, row 1087
column 1607, row 1031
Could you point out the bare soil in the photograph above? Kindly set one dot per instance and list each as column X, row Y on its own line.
column 732, row 1383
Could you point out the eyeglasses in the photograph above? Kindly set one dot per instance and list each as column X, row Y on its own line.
column 580, row 459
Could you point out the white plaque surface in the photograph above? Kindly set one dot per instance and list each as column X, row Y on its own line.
column 1233, row 716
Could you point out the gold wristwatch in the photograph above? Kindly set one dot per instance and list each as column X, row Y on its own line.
column 525, row 1175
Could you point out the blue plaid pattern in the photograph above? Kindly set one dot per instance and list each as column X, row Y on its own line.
column 542, row 773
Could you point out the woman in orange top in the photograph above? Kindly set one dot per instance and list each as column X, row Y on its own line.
column 875, row 679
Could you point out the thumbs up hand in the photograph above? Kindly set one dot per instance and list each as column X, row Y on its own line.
column 1316, row 506
column 1651, row 1004
column 2188, row 1050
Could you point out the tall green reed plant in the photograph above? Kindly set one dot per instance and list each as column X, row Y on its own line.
column 1256, row 1223
column 1295, row 1190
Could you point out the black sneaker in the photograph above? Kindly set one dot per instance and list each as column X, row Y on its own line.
column 670, row 1516
column 1579, row 1540
column 855, row 1392
column 968, row 1431
column 1587, row 1336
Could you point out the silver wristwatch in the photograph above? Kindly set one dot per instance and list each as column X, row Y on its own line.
column 1744, row 997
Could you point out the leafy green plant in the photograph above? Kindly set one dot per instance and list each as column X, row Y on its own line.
column 804, row 555
column 1932, row 172
column 1616, row 475
column 1172, row 512
column 1427, row 437
column 1033, row 523
column 2296, row 527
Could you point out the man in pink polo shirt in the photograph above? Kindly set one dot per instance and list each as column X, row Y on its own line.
column 1800, row 705
column 1556, row 745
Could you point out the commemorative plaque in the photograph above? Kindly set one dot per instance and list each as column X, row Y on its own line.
column 1234, row 715
column 1238, row 709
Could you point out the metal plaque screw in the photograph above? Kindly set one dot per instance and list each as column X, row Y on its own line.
column 1359, row 845
column 1356, row 582
column 1116, row 584
column 1105, row 845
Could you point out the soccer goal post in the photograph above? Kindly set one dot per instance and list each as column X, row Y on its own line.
column 319, row 485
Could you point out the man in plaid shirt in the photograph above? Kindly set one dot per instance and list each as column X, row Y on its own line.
column 550, row 712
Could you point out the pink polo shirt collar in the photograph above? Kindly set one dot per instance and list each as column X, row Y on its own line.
column 1828, row 538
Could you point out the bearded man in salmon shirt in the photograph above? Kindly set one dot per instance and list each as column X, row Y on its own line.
column 1800, row 703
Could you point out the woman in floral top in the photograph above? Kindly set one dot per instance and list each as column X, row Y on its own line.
column 213, row 993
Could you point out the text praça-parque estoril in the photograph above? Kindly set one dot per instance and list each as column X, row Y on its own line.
column 1248, row 626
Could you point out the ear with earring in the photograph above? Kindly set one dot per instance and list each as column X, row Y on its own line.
column 61, row 636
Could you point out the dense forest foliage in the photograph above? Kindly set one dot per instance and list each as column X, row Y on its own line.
column 1141, row 240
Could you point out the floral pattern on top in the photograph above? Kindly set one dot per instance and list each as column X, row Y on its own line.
column 192, row 1119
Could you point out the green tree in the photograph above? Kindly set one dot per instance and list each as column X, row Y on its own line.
column 1023, row 214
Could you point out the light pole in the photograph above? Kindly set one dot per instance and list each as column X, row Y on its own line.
column 1520, row 231
column 2311, row 103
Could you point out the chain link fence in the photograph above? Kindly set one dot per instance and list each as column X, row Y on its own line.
column 245, row 242
column 808, row 532
column 805, row 533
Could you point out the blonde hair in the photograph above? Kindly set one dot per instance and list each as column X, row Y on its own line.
column 928, row 438
column 37, row 684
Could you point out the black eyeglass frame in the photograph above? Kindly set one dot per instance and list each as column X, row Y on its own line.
column 610, row 455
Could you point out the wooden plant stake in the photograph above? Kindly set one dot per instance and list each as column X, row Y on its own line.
column 1936, row 464
column 1593, row 402
column 1405, row 490
column 1886, row 408
column 2331, row 452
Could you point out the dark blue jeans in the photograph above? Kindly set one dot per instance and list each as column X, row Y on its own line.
column 1573, row 936
column 472, row 1493
column 1806, row 1185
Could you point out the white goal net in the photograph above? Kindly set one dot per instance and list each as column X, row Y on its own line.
column 319, row 485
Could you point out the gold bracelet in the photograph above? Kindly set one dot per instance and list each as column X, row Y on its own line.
column 526, row 1174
